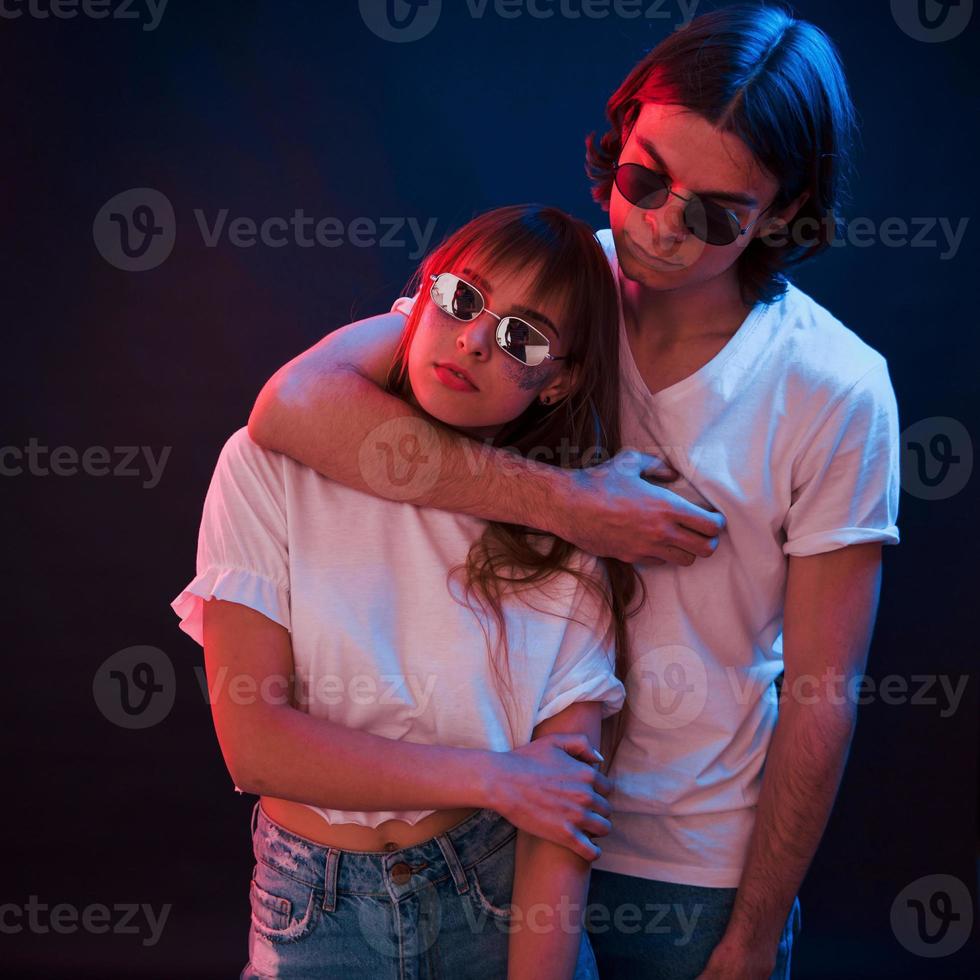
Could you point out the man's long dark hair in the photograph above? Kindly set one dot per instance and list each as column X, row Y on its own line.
column 775, row 82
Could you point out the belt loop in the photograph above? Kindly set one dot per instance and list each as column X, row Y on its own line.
column 330, row 868
column 255, row 815
column 455, row 865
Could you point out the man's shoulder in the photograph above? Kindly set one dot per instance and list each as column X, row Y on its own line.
column 816, row 348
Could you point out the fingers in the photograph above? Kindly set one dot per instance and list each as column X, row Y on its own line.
column 657, row 467
column 602, row 784
column 577, row 745
column 663, row 473
column 582, row 846
column 669, row 553
column 695, row 544
column 697, row 519
column 595, row 825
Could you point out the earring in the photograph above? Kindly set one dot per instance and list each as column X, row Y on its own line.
column 546, row 400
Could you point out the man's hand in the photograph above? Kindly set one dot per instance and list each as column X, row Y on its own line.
column 616, row 512
column 729, row 962
column 545, row 789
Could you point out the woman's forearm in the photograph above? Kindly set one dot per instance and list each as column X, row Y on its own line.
column 296, row 756
column 550, row 891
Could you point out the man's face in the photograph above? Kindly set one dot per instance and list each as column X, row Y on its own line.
column 653, row 246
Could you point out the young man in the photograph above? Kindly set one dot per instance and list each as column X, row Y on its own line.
column 778, row 428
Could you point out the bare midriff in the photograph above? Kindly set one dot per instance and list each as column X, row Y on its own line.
column 392, row 835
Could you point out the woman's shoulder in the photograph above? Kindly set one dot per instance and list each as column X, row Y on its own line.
column 241, row 452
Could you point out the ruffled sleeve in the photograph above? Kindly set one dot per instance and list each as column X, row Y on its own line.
column 242, row 548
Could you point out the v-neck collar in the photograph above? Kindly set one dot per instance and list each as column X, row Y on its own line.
column 708, row 370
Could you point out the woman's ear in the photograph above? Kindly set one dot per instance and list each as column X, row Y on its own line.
column 564, row 381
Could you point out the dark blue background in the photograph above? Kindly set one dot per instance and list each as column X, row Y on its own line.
column 263, row 108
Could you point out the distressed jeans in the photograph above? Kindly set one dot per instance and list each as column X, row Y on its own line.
column 433, row 910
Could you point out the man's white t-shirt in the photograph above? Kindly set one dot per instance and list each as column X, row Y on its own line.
column 382, row 640
column 790, row 431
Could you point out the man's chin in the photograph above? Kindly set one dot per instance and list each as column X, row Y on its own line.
column 653, row 278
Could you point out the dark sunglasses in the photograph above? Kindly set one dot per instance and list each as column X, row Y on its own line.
column 515, row 336
column 705, row 219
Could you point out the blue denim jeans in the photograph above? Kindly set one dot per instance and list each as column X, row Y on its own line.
column 657, row 930
column 433, row 910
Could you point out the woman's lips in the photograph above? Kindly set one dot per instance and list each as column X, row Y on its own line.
column 451, row 380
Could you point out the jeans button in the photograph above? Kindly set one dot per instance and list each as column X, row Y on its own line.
column 401, row 873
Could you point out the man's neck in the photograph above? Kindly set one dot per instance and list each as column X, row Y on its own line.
column 669, row 317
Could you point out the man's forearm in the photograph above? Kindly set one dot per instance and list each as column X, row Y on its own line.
column 800, row 781
column 388, row 448
column 296, row 756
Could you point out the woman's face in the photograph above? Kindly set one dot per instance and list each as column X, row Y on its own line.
column 502, row 387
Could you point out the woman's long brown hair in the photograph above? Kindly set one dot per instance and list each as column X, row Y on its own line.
column 581, row 430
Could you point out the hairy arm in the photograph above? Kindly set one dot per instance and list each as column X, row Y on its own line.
column 272, row 748
column 327, row 409
column 341, row 378
column 831, row 604
column 551, row 883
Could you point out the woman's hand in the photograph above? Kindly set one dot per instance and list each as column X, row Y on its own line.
column 546, row 789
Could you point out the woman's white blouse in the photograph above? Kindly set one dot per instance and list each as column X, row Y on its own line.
column 382, row 640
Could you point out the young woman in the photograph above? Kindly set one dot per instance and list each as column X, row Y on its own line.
column 372, row 661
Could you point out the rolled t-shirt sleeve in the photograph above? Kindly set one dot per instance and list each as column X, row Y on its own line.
column 585, row 667
column 242, row 549
column 846, row 481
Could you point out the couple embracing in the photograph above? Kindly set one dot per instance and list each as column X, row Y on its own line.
column 528, row 567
